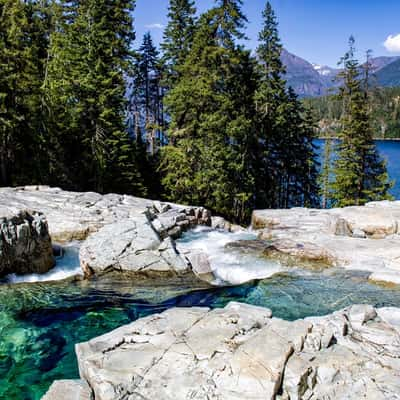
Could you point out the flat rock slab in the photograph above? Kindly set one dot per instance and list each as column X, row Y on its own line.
column 241, row 352
column 363, row 238
column 71, row 215
column 124, row 233
column 74, row 215
column 69, row 390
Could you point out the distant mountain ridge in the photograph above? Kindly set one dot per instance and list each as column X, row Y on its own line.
column 313, row 80
column 390, row 74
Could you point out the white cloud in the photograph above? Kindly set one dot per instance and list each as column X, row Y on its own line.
column 392, row 43
column 154, row 26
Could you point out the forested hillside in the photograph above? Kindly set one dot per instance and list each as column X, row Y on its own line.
column 197, row 121
column 202, row 120
column 384, row 106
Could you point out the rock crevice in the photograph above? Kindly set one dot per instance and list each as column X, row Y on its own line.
column 241, row 352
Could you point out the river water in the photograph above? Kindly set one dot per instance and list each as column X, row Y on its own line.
column 41, row 321
column 43, row 316
column 390, row 151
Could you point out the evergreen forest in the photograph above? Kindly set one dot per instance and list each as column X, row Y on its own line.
column 200, row 119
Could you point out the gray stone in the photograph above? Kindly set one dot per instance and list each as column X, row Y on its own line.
column 69, row 390
column 239, row 352
column 25, row 244
column 359, row 238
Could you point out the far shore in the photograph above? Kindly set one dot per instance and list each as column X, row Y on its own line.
column 377, row 138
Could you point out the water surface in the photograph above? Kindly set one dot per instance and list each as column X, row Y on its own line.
column 390, row 151
column 40, row 322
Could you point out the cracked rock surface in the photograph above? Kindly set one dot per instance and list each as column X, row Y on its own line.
column 123, row 233
column 365, row 237
column 144, row 246
column 25, row 244
column 241, row 352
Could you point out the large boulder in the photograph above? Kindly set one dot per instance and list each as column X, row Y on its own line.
column 144, row 246
column 25, row 244
column 240, row 352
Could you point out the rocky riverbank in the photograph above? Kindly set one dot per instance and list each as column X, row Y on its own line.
column 25, row 244
column 241, row 352
column 121, row 233
column 361, row 238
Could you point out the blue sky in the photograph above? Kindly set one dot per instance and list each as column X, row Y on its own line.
column 316, row 30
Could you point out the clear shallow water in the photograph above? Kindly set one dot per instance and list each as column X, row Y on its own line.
column 390, row 150
column 40, row 322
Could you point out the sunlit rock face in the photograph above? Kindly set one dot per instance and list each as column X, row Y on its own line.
column 25, row 244
column 241, row 352
column 364, row 238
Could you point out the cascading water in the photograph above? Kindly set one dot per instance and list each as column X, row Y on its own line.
column 67, row 265
column 229, row 265
column 40, row 321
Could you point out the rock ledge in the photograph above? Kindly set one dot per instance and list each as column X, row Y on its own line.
column 241, row 352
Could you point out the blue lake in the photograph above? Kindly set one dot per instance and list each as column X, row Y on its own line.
column 390, row 150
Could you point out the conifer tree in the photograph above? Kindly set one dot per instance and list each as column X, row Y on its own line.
column 360, row 173
column 325, row 177
column 20, row 81
column 90, row 53
column 208, row 159
column 285, row 155
column 146, row 95
column 178, row 38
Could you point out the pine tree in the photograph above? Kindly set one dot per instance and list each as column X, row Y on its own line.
column 208, row 159
column 90, row 54
column 360, row 173
column 285, row 156
column 146, row 96
column 178, row 38
column 325, row 177
column 21, row 42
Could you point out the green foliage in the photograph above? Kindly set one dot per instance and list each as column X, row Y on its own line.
column 178, row 38
column 238, row 138
column 360, row 174
column 23, row 45
column 208, row 159
column 89, row 55
column 286, row 159
column 384, row 112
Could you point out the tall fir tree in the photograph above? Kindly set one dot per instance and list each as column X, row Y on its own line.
column 146, row 95
column 22, row 40
column 90, row 55
column 208, row 159
column 285, row 155
column 178, row 38
column 325, row 176
column 360, row 173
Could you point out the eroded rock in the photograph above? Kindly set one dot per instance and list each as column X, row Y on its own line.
column 25, row 244
column 360, row 238
column 240, row 352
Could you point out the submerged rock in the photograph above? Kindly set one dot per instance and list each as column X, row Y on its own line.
column 241, row 352
column 25, row 244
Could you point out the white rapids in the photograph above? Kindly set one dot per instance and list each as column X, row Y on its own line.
column 66, row 266
column 230, row 266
